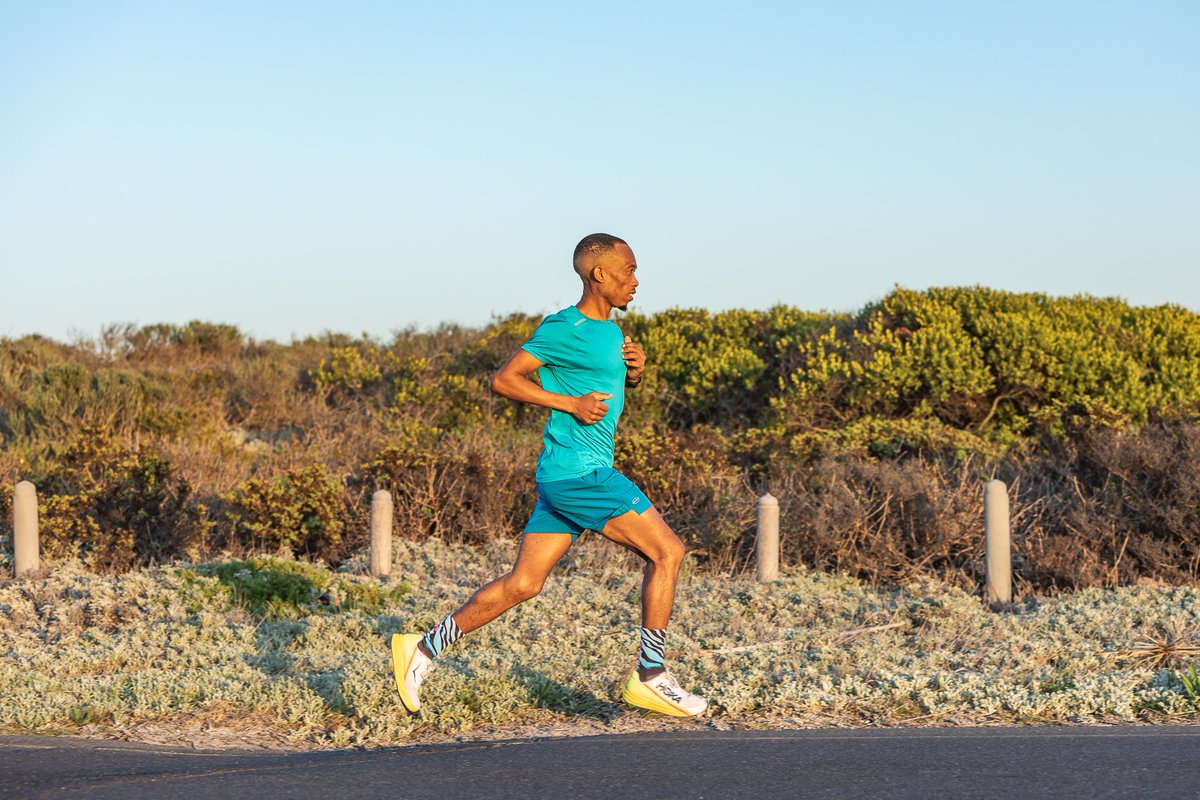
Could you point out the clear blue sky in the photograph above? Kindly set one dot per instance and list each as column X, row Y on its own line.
column 294, row 167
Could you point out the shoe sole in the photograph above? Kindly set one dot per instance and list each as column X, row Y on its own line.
column 645, row 699
column 403, row 647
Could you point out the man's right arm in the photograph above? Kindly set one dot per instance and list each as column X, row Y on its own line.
column 511, row 381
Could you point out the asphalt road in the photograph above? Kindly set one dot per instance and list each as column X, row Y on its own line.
column 1141, row 762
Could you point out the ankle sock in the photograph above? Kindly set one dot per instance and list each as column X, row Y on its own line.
column 650, row 657
column 442, row 635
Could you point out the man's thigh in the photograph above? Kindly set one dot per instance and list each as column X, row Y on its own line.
column 647, row 532
column 539, row 552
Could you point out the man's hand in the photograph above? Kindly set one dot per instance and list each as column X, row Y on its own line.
column 590, row 408
column 635, row 360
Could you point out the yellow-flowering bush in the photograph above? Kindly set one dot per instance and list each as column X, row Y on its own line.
column 300, row 511
column 1007, row 368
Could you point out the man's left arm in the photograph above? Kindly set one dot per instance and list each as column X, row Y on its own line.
column 635, row 362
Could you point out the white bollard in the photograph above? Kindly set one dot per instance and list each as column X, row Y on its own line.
column 26, row 558
column 767, row 545
column 997, row 544
column 381, row 534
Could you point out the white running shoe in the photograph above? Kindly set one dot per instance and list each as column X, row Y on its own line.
column 410, row 666
column 663, row 694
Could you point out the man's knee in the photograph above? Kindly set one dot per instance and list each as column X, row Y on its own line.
column 522, row 587
column 670, row 553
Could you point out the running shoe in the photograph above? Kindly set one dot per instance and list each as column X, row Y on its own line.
column 663, row 694
column 410, row 665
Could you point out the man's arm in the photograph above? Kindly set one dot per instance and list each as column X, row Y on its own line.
column 510, row 381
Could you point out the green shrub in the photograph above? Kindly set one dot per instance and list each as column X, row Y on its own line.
column 209, row 338
column 484, row 353
column 274, row 588
column 440, row 400
column 714, row 368
column 115, row 508
column 349, row 370
column 271, row 587
column 299, row 512
column 1010, row 368
column 55, row 402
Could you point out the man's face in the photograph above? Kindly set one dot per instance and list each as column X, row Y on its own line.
column 620, row 277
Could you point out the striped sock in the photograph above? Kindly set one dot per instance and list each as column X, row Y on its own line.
column 651, row 654
column 442, row 635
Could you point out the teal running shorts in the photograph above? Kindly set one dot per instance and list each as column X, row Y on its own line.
column 585, row 503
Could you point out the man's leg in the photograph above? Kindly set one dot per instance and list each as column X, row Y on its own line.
column 413, row 654
column 538, row 554
column 652, row 687
column 649, row 535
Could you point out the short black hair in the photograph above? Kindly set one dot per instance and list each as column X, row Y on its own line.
column 594, row 244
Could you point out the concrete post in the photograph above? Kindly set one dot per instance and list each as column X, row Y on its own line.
column 381, row 534
column 26, row 558
column 767, row 545
column 997, row 544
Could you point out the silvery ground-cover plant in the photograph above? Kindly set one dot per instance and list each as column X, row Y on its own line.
column 287, row 653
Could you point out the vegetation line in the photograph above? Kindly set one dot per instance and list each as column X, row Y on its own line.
column 876, row 431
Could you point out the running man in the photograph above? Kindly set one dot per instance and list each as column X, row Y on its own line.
column 584, row 365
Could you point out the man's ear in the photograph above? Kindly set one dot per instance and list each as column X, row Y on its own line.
column 598, row 274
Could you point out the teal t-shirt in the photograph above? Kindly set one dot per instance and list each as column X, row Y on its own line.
column 580, row 355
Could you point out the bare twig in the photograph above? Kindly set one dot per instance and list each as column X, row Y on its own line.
column 854, row 633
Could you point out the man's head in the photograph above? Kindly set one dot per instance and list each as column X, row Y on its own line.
column 606, row 266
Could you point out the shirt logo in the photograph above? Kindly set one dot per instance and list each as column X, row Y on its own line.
column 635, row 500
column 580, row 322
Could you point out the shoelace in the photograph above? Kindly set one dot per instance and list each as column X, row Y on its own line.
column 422, row 671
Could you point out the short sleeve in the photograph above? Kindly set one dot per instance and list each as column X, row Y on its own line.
column 553, row 342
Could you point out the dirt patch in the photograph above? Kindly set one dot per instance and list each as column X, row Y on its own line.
column 216, row 728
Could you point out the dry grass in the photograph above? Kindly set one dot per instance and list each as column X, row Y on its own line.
column 1164, row 649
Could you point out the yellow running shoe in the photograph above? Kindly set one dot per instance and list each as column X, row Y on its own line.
column 410, row 666
column 662, row 694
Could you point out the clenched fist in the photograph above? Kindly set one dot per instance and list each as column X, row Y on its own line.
column 635, row 359
column 590, row 408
